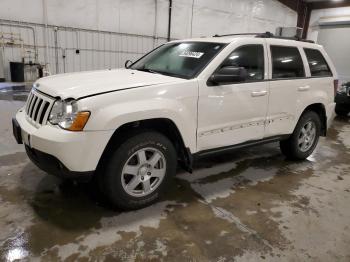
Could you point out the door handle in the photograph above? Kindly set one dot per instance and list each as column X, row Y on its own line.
column 259, row 93
column 303, row 88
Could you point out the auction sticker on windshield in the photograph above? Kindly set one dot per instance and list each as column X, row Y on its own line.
column 192, row 54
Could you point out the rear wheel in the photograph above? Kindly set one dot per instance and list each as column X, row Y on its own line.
column 139, row 170
column 305, row 137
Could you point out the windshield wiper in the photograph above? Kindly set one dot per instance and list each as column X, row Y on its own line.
column 148, row 70
column 160, row 72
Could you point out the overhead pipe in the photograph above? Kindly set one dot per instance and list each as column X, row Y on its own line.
column 81, row 29
column 46, row 33
column 56, row 48
column 192, row 18
column 169, row 19
column 155, row 22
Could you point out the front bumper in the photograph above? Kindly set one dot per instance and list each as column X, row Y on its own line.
column 60, row 152
column 53, row 166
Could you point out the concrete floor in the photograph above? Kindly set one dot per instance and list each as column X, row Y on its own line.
column 247, row 206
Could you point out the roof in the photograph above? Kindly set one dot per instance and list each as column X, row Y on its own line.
column 231, row 37
column 223, row 39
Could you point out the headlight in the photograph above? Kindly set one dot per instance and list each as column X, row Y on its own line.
column 342, row 88
column 66, row 115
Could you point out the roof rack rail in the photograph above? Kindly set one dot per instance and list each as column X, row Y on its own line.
column 256, row 34
column 296, row 38
column 268, row 35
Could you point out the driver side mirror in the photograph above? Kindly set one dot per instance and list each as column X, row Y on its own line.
column 127, row 63
column 228, row 74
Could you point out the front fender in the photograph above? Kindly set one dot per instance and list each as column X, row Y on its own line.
column 109, row 112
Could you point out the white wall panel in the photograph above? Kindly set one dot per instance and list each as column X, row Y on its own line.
column 317, row 14
column 334, row 38
column 227, row 16
column 101, row 29
column 24, row 10
column 338, row 50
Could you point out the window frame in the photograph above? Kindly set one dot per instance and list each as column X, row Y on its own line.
column 325, row 60
column 271, row 63
column 265, row 58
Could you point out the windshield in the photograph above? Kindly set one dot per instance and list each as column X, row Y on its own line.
column 184, row 60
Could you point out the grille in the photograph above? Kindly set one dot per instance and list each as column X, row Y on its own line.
column 38, row 108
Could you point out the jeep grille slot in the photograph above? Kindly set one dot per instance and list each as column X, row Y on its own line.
column 37, row 108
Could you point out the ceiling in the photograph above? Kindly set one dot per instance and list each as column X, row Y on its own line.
column 309, row 1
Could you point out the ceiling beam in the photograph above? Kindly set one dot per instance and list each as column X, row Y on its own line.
column 320, row 5
column 292, row 4
column 328, row 4
column 304, row 10
column 307, row 22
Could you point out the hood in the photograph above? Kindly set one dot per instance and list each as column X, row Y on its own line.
column 77, row 85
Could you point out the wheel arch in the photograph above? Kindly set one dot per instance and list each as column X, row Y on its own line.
column 320, row 109
column 164, row 126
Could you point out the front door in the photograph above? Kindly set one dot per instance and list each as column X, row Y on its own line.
column 233, row 113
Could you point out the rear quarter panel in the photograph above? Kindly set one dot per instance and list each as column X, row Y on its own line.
column 321, row 88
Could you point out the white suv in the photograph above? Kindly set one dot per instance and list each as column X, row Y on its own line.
column 186, row 99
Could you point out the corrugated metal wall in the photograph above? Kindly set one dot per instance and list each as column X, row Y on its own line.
column 143, row 20
column 97, row 49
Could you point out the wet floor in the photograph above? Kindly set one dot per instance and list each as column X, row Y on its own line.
column 246, row 206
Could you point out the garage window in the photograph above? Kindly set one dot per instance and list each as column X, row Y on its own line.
column 286, row 62
column 317, row 63
column 251, row 58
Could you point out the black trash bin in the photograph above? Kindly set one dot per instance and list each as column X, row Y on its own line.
column 17, row 71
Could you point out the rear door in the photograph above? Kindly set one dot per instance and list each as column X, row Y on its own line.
column 288, row 77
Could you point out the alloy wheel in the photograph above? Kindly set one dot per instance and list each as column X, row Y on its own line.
column 143, row 172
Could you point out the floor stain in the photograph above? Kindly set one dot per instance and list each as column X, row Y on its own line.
column 248, row 205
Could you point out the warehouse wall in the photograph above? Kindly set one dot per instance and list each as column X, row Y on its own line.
column 341, row 14
column 108, row 32
column 331, row 28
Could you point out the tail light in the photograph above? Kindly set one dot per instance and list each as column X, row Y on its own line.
column 335, row 82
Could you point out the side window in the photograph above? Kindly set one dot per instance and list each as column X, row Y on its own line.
column 286, row 62
column 251, row 58
column 317, row 63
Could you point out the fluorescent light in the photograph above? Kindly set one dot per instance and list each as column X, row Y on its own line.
column 287, row 60
column 233, row 57
column 183, row 45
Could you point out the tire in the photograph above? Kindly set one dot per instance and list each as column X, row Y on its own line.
column 297, row 147
column 135, row 154
column 341, row 112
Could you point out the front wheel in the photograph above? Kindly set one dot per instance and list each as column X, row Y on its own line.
column 139, row 170
column 304, row 139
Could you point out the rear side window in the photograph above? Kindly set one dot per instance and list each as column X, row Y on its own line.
column 251, row 58
column 317, row 63
column 286, row 62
